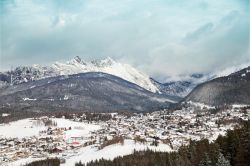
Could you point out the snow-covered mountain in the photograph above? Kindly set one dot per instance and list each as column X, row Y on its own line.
column 182, row 85
column 91, row 91
column 231, row 89
column 109, row 66
column 179, row 86
column 77, row 65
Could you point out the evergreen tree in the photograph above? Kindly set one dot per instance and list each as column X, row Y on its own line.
column 206, row 161
column 222, row 161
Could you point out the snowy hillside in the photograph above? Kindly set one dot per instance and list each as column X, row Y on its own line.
column 182, row 85
column 76, row 65
column 92, row 91
column 228, row 90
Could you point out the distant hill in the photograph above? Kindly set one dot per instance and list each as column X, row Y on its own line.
column 93, row 91
column 231, row 89
column 180, row 88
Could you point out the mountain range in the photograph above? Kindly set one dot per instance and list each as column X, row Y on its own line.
column 77, row 65
column 107, row 85
column 180, row 87
column 91, row 91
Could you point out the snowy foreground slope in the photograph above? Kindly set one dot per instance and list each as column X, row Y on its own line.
column 110, row 152
column 90, row 153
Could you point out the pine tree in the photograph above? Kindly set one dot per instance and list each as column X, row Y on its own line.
column 222, row 161
column 206, row 161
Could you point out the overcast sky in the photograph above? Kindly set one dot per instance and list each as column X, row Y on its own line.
column 160, row 37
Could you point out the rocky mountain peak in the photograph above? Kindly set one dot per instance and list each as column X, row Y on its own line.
column 78, row 59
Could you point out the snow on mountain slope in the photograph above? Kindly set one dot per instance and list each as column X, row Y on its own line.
column 229, row 70
column 91, row 91
column 75, row 66
column 109, row 66
column 179, row 86
column 228, row 90
column 182, row 85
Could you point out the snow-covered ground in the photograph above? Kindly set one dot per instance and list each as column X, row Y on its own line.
column 20, row 129
column 110, row 152
column 78, row 129
column 201, row 105
column 29, row 127
column 24, row 161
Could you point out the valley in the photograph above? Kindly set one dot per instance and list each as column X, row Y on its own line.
column 77, row 139
column 124, row 83
column 86, row 111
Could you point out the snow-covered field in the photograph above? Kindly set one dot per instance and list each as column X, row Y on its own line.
column 24, row 161
column 20, row 129
column 110, row 152
column 28, row 127
column 78, row 129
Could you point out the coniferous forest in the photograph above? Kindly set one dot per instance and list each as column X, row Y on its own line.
column 48, row 162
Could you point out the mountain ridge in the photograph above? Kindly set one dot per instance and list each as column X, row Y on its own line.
column 231, row 89
column 180, row 86
column 75, row 66
column 93, row 91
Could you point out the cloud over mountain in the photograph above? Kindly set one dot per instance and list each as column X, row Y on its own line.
column 160, row 37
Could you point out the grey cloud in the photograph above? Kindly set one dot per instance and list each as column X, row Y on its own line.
column 200, row 32
column 159, row 37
